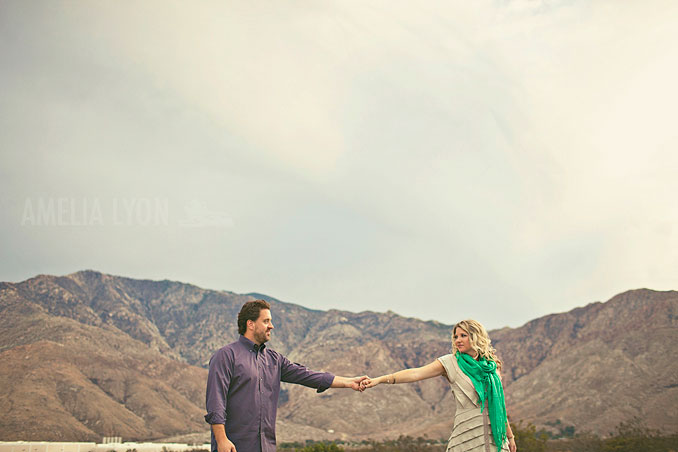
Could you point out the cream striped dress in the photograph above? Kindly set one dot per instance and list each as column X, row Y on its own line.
column 471, row 431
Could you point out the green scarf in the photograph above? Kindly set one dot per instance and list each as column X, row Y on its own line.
column 483, row 374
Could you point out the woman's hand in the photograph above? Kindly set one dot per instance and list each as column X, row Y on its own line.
column 435, row 369
column 372, row 382
column 512, row 444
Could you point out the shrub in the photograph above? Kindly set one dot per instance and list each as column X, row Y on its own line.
column 321, row 447
column 528, row 439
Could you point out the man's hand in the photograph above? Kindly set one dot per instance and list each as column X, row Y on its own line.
column 223, row 443
column 226, row 446
column 348, row 382
column 355, row 383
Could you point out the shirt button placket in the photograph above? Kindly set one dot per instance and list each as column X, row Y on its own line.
column 261, row 402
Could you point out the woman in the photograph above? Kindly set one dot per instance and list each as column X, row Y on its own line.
column 480, row 422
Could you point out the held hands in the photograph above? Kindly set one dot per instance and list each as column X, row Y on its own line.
column 356, row 383
column 372, row 382
column 365, row 382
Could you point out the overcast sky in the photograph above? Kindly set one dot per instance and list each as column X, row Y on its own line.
column 499, row 160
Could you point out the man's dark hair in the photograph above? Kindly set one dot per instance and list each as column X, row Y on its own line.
column 250, row 311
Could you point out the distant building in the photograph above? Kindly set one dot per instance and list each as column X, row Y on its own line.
column 45, row 446
column 109, row 443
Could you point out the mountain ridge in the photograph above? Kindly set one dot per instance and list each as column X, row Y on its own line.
column 142, row 334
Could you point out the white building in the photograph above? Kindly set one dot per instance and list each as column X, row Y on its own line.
column 111, row 444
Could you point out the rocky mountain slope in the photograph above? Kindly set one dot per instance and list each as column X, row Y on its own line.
column 88, row 355
column 595, row 366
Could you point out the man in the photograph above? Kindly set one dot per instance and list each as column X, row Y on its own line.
column 243, row 385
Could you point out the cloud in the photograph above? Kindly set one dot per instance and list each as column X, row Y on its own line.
column 504, row 159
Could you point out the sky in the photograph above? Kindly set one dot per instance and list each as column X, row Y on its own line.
column 497, row 160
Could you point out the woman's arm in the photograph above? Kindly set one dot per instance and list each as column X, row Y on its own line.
column 509, row 433
column 511, row 437
column 435, row 369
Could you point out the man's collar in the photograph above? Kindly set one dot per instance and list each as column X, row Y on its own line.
column 251, row 345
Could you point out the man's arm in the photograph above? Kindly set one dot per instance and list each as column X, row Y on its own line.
column 218, row 382
column 349, row 382
column 298, row 374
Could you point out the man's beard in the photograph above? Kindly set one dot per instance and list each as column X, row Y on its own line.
column 261, row 337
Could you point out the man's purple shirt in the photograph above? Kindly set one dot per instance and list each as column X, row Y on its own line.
column 243, row 386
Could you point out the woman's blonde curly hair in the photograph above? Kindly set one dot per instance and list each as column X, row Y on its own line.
column 480, row 340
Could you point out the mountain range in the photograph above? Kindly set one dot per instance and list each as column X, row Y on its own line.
column 89, row 355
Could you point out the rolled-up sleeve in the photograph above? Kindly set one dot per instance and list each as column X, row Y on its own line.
column 218, row 381
column 298, row 374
